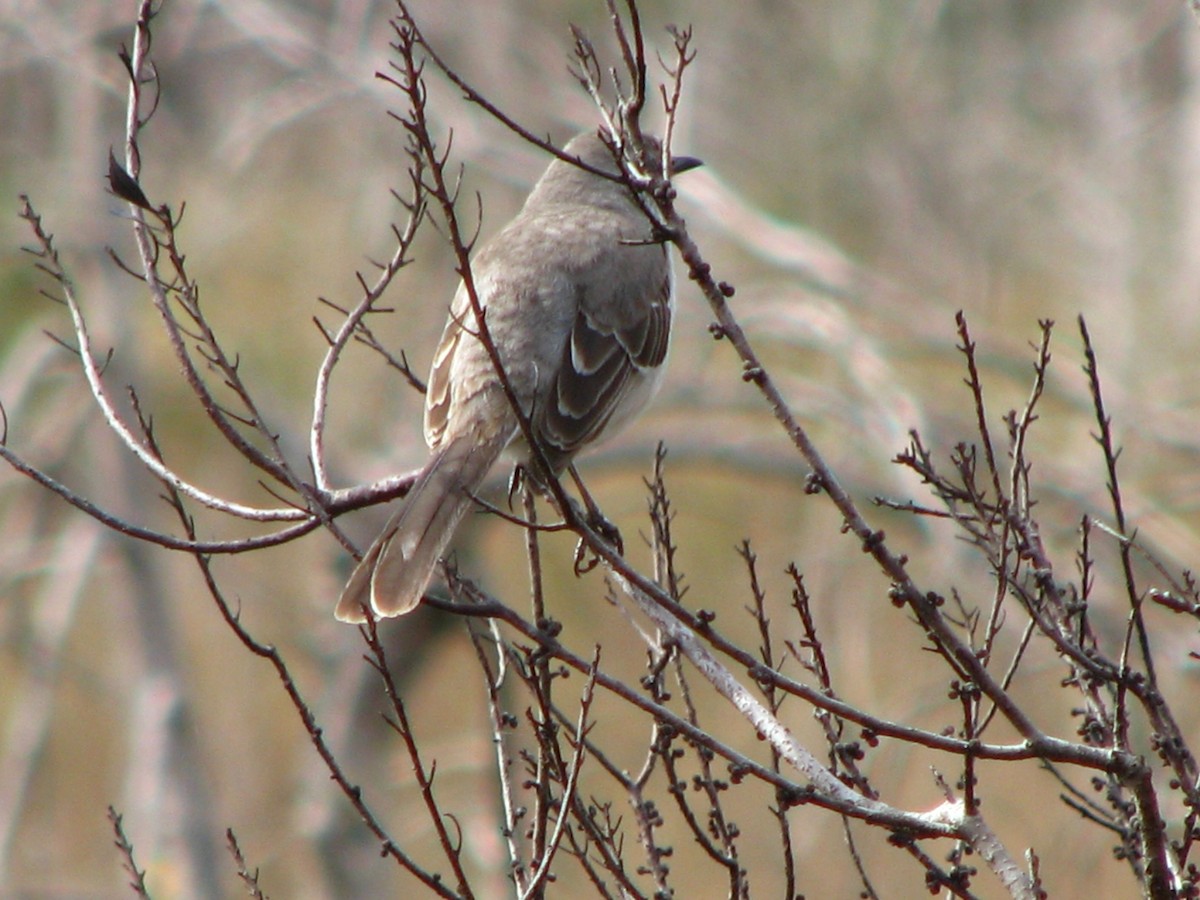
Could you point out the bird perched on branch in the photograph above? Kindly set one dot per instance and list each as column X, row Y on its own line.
column 577, row 298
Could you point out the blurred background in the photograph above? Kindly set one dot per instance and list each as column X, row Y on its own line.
column 872, row 167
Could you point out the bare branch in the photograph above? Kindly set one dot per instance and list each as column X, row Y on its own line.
column 352, row 323
column 137, row 876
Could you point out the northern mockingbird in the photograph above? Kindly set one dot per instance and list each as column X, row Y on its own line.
column 578, row 299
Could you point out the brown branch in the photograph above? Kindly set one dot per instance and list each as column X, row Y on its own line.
column 400, row 724
column 137, row 876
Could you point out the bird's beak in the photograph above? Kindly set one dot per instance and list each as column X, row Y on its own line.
column 684, row 163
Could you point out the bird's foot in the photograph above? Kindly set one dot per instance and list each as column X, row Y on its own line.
column 585, row 561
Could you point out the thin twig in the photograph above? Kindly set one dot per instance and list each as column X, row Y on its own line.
column 352, row 322
column 137, row 876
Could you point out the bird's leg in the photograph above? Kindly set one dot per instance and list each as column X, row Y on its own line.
column 597, row 522
column 516, row 481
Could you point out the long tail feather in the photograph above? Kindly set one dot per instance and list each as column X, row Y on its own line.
column 399, row 565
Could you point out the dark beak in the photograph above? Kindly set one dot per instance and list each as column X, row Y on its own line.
column 684, row 163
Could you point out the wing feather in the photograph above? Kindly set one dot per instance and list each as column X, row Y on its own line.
column 437, row 392
column 598, row 364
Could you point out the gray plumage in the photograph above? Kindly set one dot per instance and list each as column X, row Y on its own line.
column 579, row 306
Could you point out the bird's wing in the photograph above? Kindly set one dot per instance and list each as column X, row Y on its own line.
column 437, row 393
column 598, row 362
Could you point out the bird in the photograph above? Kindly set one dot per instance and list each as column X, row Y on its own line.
column 578, row 298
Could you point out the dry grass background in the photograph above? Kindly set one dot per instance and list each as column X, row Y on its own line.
column 871, row 167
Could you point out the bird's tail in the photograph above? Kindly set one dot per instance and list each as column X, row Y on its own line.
column 393, row 575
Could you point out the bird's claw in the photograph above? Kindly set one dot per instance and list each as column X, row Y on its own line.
column 607, row 531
